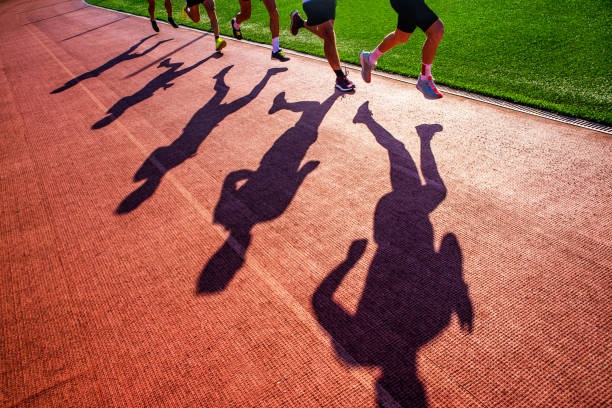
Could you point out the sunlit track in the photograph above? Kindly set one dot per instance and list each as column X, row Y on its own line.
column 187, row 228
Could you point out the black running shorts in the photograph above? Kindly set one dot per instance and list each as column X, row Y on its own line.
column 194, row 2
column 319, row 11
column 413, row 14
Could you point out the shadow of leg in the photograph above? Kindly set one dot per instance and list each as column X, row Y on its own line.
column 224, row 264
column 138, row 196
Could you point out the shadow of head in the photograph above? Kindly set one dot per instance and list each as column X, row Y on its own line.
column 364, row 114
column 220, row 77
column 279, row 103
column 166, row 63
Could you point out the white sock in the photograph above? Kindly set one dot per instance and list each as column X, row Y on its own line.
column 374, row 56
column 275, row 46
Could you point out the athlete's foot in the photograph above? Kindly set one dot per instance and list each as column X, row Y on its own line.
column 297, row 22
column 366, row 66
column 344, row 84
column 280, row 55
column 237, row 32
column 154, row 25
column 428, row 88
column 184, row 11
column 171, row 21
column 220, row 44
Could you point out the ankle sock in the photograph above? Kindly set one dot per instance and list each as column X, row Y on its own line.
column 374, row 56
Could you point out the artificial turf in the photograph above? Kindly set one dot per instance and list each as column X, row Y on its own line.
column 553, row 55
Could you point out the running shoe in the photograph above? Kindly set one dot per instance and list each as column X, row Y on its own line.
column 171, row 21
column 184, row 11
column 344, row 84
column 220, row 44
column 280, row 55
column 238, row 32
column 428, row 88
column 154, row 25
column 366, row 66
column 297, row 22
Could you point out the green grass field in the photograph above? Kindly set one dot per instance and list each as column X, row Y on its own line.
column 553, row 55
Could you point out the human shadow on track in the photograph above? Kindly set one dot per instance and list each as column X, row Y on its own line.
column 264, row 193
column 55, row 16
column 411, row 291
column 162, row 81
column 125, row 56
column 95, row 28
column 165, row 158
column 38, row 8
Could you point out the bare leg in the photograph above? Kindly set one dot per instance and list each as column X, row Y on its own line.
column 168, row 5
column 434, row 36
column 326, row 32
column 212, row 15
column 245, row 11
column 152, row 9
column 273, row 12
column 194, row 13
column 394, row 38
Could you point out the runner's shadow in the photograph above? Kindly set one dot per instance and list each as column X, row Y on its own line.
column 162, row 81
column 251, row 197
column 55, row 16
column 411, row 291
column 125, row 56
column 165, row 158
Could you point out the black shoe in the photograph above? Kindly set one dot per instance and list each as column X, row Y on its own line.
column 237, row 33
column 297, row 22
column 171, row 21
column 344, row 84
column 280, row 55
column 154, row 25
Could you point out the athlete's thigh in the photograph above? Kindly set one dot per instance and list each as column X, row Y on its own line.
column 191, row 3
column 270, row 5
column 319, row 11
column 412, row 14
column 209, row 5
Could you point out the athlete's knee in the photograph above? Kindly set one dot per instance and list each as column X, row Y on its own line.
column 436, row 31
column 327, row 31
column 400, row 36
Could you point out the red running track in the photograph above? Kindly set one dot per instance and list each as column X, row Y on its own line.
column 185, row 229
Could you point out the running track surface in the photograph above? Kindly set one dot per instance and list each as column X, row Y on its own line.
column 232, row 234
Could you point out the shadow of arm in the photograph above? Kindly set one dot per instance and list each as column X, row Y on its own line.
column 331, row 316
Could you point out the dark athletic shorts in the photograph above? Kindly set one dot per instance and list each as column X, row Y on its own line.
column 413, row 14
column 319, row 11
column 194, row 2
